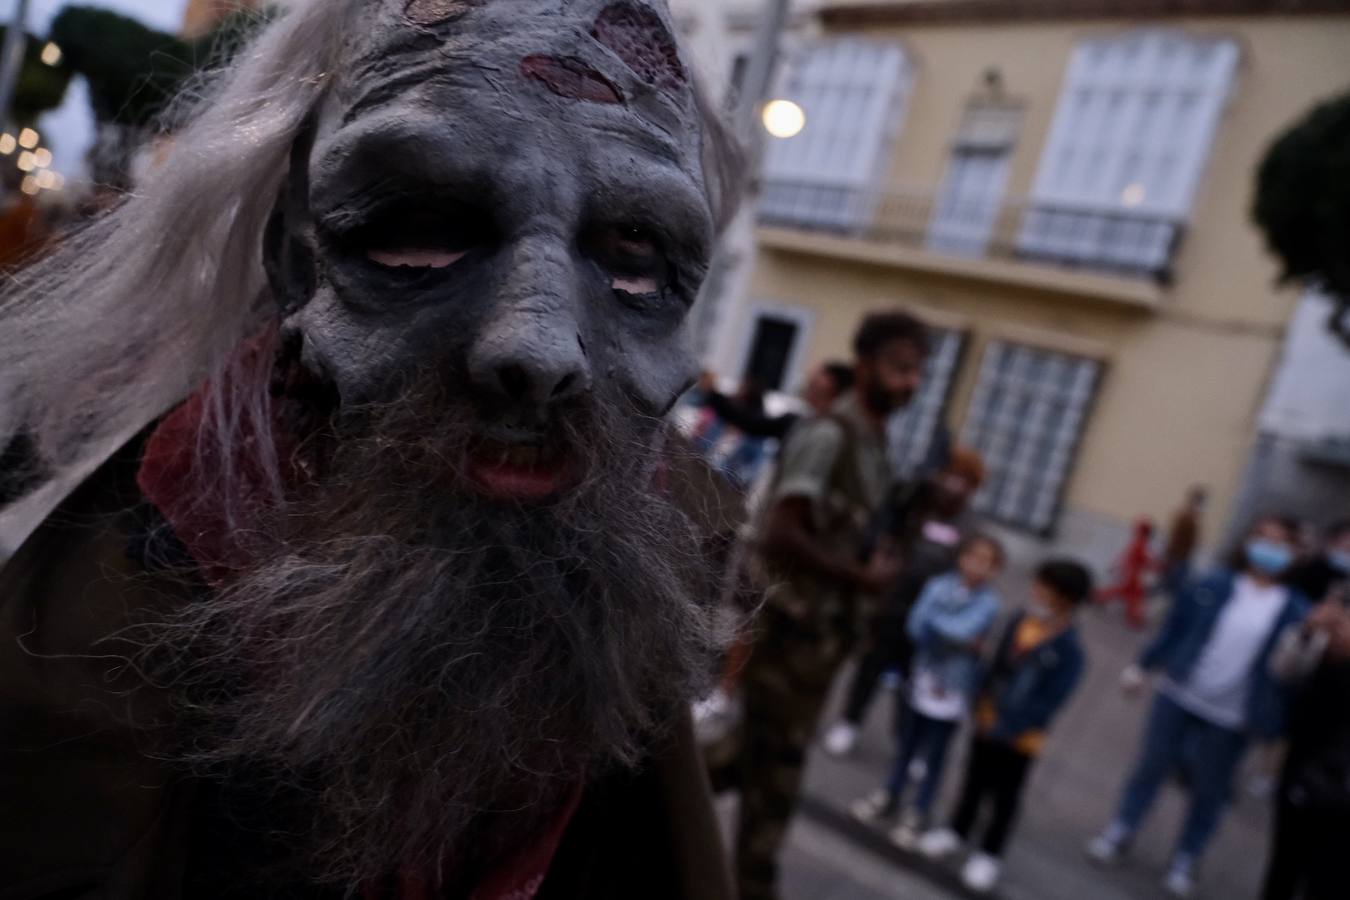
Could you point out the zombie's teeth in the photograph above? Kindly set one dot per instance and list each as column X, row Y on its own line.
column 523, row 456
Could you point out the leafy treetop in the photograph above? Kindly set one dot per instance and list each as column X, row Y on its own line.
column 1303, row 204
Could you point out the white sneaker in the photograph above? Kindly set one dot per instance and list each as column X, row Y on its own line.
column 1108, row 848
column 981, row 872
column 906, row 835
column 1180, row 880
column 938, row 843
column 841, row 739
column 877, row 806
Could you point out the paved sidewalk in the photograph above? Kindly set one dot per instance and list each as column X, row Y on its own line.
column 822, row 862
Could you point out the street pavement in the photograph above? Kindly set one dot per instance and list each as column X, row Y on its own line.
column 824, row 862
column 1072, row 793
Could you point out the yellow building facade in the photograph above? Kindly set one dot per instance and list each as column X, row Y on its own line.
column 1065, row 196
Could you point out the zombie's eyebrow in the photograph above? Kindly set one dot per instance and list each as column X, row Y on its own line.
column 637, row 36
column 434, row 12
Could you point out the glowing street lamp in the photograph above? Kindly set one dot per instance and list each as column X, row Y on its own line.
column 1133, row 195
column 783, row 118
column 51, row 54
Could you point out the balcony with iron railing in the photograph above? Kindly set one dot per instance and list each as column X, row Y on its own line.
column 1120, row 243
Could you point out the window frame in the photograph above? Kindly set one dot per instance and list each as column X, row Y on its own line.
column 814, row 179
column 1108, row 132
column 975, row 434
column 908, row 464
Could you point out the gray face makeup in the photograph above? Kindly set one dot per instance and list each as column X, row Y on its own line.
column 507, row 193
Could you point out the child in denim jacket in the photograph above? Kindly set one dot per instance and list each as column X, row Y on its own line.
column 948, row 625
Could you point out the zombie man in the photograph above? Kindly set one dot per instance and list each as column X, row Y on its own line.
column 369, row 583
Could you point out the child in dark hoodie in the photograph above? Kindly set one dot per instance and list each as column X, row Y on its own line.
column 1038, row 664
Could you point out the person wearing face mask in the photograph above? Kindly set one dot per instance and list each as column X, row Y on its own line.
column 1313, row 577
column 1216, row 694
column 1035, row 669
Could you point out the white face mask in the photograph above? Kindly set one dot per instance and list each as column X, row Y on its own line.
column 1038, row 610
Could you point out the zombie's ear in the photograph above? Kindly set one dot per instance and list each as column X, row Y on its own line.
column 288, row 248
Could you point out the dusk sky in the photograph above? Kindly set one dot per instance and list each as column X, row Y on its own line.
column 69, row 130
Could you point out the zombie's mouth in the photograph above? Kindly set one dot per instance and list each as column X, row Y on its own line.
column 520, row 472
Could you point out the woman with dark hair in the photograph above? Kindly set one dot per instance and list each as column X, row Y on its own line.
column 1216, row 693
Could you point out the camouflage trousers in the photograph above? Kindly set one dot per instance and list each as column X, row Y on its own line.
column 785, row 685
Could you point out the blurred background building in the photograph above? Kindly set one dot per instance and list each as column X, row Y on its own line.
column 723, row 37
column 1300, row 461
column 1063, row 191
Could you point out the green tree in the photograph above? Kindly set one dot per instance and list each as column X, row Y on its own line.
column 133, row 71
column 40, row 87
column 134, row 74
column 1303, row 204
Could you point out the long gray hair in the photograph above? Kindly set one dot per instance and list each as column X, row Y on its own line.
column 139, row 307
column 150, row 301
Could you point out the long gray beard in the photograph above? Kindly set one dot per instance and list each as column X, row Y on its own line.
column 436, row 674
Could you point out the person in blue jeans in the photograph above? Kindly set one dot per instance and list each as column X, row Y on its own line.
column 948, row 625
column 1216, row 693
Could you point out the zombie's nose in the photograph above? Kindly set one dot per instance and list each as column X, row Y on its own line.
column 525, row 366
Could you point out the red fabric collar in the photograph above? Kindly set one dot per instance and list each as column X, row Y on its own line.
column 519, row 878
column 183, row 476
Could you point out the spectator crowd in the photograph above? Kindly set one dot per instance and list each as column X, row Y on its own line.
column 841, row 561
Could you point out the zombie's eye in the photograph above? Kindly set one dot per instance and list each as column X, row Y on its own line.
column 410, row 239
column 414, row 257
column 633, row 257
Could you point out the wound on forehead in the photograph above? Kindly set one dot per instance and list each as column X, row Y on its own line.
column 569, row 77
column 637, row 36
column 434, row 12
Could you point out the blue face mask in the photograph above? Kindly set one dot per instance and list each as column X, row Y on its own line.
column 1340, row 560
column 1268, row 557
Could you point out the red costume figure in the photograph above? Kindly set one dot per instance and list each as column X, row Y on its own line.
column 1134, row 565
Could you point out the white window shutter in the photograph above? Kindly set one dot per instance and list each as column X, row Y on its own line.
column 1026, row 419
column 854, row 93
column 1133, row 129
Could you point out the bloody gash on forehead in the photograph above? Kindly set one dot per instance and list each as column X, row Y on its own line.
column 462, row 591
